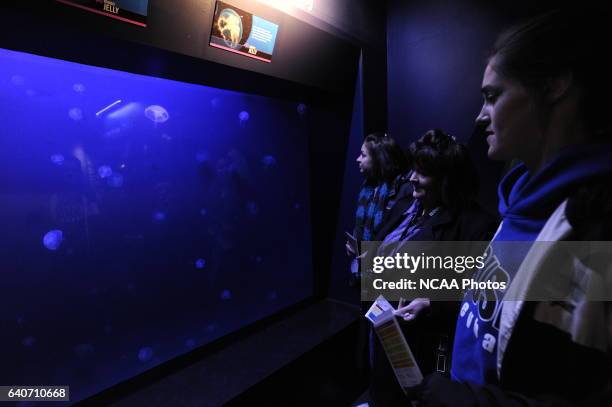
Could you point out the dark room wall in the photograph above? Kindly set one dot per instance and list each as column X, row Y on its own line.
column 363, row 23
column 436, row 52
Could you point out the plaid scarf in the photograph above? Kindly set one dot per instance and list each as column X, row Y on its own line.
column 370, row 210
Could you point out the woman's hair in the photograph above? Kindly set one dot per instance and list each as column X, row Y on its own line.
column 560, row 42
column 439, row 155
column 388, row 159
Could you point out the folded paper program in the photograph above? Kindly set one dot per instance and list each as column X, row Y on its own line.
column 394, row 343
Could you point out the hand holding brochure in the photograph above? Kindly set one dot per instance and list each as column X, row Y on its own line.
column 394, row 343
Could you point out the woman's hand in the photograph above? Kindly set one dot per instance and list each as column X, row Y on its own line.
column 409, row 312
column 349, row 249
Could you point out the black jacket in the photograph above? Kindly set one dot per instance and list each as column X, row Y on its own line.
column 423, row 335
column 473, row 223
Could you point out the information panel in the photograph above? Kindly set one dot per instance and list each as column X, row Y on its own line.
column 130, row 11
column 241, row 32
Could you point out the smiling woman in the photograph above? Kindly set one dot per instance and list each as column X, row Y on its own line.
column 443, row 209
column 443, row 172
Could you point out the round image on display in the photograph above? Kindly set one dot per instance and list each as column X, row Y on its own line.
column 229, row 24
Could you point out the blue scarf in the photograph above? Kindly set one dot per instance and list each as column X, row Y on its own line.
column 370, row 210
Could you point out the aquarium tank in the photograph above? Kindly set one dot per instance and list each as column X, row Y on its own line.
column 141, row 218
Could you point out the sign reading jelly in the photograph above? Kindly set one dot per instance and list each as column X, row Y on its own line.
column 130, row 11
column 241, row 32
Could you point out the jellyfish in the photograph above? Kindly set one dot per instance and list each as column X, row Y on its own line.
column 297, row 205
column 30, row 92
column 243, row 117
column 211, row 327
column 203, row 211
column 166, row 137
column 104, row 171
column 75, row 114
column 190, row 343
column 115, row 180
column 145, row 354
column 272, row 295
column 20, row 321
column 78, row 88
column 302, row 109
column 53, row 239
column 226, row 295
column 268, row 161
column 57, row 159
column 28, row 341
column 252, row 208
column 214, row 102
column 258, row 259
column 157, row 114
column 159, row 216
column 200, row 263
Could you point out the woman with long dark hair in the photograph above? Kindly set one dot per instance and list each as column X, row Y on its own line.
column 444, row 208
column 385, row 168
column 445, row 184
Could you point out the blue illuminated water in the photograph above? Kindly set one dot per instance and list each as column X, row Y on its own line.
column 141, row 218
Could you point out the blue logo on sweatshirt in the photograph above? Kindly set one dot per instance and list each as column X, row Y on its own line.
column 478, row 324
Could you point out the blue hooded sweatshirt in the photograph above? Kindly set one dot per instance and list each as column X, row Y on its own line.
column 525, row 204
